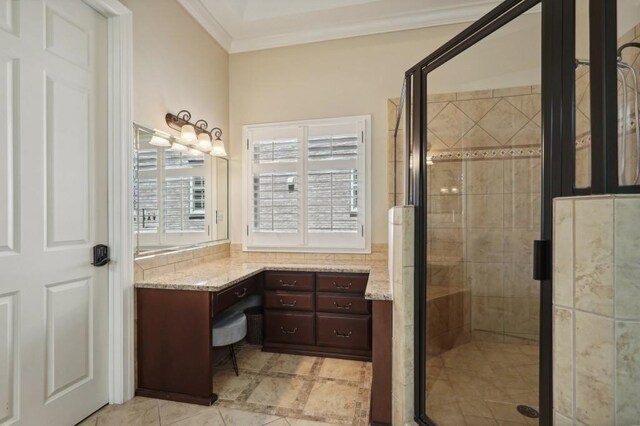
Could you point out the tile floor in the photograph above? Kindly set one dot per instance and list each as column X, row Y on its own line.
column 273, row 389
column 481, row 383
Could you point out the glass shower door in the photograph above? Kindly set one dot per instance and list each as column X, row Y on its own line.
column 483, row 115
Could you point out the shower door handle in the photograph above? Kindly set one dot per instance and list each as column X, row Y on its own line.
column 542, row 260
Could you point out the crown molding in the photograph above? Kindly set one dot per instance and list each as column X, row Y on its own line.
column 202, row 15
column 408, row 21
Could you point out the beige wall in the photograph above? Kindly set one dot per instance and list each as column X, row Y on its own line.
column 176, row 65
column 357, row 76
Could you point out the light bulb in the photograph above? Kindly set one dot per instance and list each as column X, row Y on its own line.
column 218, row 148
column 188, row 134
column 204, row 142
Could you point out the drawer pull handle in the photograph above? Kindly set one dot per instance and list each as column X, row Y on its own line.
column 285, row 331
column 292, row 304
column 283, row 284
column 342, row 335
column 345, row 307
column 342, row 286
column 241, row 294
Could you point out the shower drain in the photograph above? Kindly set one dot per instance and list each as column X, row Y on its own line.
column 527, row 411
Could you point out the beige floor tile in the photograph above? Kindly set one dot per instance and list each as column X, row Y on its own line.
column 253, row 359
column 506, row 411
column 278, row 392
column 475, row 407
column 342, row 369
column 209, row 417
column 332, row 400
column 136, row 412
column 446, row 415
column 90, row 421
column 229, row 386
column 479, row 421
column 279, row 422
column 268, row 384
column 300, row 422
column 233, row 417
column 293, row 364
column 171, row 412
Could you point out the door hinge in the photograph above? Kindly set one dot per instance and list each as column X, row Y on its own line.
column 542, row 260
column 362, row 140
column 247, row 144
column 362, row 230
column 247, row 230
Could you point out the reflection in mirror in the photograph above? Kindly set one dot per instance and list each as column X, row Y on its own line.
column 628, row 18
column 582, row 98
column 179, row 199
column 484, row 132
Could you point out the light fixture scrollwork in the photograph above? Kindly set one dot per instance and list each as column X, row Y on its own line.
column 195, row 137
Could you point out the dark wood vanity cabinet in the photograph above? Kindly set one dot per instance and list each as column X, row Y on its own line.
column 235, row 293
column 318, row 314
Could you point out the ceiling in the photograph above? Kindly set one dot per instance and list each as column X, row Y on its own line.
column 244, row 25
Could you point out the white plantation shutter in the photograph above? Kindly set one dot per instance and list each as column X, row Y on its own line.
column 307, row 185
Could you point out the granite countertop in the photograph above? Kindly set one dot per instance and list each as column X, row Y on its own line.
column 220, row 274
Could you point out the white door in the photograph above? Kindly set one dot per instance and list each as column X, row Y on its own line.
column 53, row 204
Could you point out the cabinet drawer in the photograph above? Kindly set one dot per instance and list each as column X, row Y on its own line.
column 293, row 281
column 344, row 331
column 233, row 294
column 342, row 303
column 342, row 283
column 289, row 327
column 289, row 300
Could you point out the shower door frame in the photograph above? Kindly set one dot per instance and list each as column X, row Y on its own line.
column 603, row 47
column 558, row 136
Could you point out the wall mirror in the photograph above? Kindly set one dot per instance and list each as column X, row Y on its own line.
column 179, row 199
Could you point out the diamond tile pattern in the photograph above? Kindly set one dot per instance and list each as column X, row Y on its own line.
column 433, row 109
column 481, row 383
column 477, row 108
column 503, row 121
column 274, row 389
column 451, row 125
column 477, row 138
column 529, row 105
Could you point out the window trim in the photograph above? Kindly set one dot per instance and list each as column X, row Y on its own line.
column 247, row 163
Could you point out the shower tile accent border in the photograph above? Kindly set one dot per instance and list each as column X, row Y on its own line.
column 596, row 323
column 471, row 111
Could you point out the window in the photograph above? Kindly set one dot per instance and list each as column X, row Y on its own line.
column 172, row 196
column 307, row 185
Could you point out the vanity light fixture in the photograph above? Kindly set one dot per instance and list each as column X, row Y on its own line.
column 196, row 136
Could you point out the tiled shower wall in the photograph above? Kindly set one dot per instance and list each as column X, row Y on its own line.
column 596, row 347
column 484, row 208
